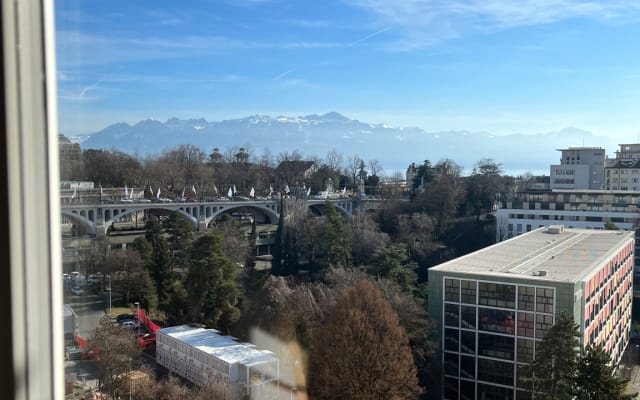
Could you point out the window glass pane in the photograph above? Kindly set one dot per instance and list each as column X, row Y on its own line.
column 468, row 292
column 467, row 342
column 495, row 346
column 525, row 350
column 451, row 315
column 451, row 339
column 493, row 371
column 543, row 324
column 452, row 290
column 497, row 295
column 451, row 364
column 526, row 298
column 468, row 367
column 526, row 322
column 544, row 300
column 467, row 390
column 490, row 392
column 468, row 317
column 496, row 320
column 450, row 389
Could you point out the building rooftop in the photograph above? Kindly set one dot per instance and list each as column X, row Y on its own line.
column 568, row 256
column 222, row 347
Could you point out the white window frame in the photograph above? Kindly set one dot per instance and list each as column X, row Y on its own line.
column 31, row 294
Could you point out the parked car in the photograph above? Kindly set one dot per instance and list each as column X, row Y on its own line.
column 125, row 317
column 144, row 201
column 130, row 324
column 147, row 340
column 125, row 201
column 76, row 290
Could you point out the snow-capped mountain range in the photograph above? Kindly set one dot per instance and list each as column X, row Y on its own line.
column 315, row 135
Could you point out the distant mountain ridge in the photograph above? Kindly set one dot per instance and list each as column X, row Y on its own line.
column 316, row 135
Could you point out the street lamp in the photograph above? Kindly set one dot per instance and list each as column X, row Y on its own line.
column 138, row 315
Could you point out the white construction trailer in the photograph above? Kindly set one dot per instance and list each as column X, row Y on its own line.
column 205, row 357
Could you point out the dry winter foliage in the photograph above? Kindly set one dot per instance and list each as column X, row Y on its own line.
column 362, row 352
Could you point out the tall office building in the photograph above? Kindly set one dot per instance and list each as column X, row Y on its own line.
column 494, row 305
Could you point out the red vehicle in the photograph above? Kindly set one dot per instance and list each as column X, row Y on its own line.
column 147, row 341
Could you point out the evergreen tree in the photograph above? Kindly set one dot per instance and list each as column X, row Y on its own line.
column 393, row 262
column 595, row 379
column 211, row 283
column 553, row 370
column 361, row 351
column 337, row 238
column 250, row 263
column 277, row 248
column 180, row 232
column 159, row 263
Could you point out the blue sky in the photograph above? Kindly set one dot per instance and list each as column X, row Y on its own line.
column 501, row 66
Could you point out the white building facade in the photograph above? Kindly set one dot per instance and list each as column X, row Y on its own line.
column 205, row 357
column 579, row 168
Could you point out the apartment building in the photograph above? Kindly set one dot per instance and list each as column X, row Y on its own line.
column 579, row 168
column 494, row 305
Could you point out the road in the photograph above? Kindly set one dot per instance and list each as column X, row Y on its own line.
column 90, row 308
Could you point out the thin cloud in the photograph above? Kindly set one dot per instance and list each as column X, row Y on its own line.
column 426, row 22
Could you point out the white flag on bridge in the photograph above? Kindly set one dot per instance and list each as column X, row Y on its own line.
column 73, row 196
column 193, row 189
column 230, row 192
column 234, row 189
column 286, row 189
column 270, row 190
column 158, row 195
column 309, row 191
column 215, row 189
column 182, row 192
column 151, row 190
column 126, row 191
column 252, row 193
column 101, row 193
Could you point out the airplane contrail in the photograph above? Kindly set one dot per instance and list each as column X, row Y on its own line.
column 370, row 35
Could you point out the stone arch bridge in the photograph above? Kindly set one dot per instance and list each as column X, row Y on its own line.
column 98, row 218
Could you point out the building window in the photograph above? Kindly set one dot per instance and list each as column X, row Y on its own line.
column 467, row 342
column 526, row 298
column 451, row 315
column 496, row 346
column 497, row 295
column 543, row 324
column 525, row 350
column 451, row 341
column 467, row 367
column 468, row 317
column 468, row 292
column 526, row 323
column 452, row 290
column 494, row 371
column 450, row 389
column 492, row 320
column 544, row 300
column 451, row 364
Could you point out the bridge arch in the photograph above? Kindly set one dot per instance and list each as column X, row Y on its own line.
column 344, row 210
column 211, row 213
column 119, row 213
column 82, row 220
